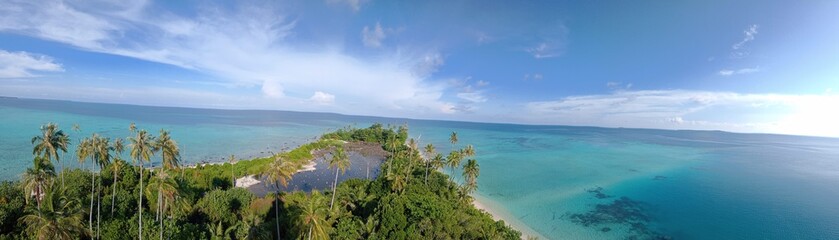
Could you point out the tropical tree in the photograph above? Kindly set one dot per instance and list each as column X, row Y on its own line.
column 59, row 218
column 313, row 214
column 116, row 167
column 453, row 139
column 470, row 174
column 398, row 177
column 454, row 159
column 469, row 151
column 51, row 140
column 170, row 154
column 279, row 173
column 37, row 179
column 339, row 161
column 141, row 150
column 438, row 162
column 102, row 149
column 429, row 151
column 84, row 151
column 232, row 160
column 166, row 189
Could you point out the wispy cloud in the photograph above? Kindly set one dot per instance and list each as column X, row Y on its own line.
column 247, row 45
column 680, row 109
column 23, row 64
column 355, row 5
column 729, row 72
column 473, row 97
column 534, row 76
column 372, row 37
column 749, row 35
column 550, row 43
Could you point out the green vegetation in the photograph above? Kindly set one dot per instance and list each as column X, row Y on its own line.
column 409, row 200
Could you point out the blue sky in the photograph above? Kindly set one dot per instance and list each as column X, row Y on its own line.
column 745, row 66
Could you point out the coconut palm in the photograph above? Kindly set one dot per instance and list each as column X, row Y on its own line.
column 469, row 151
column 116, row 167
column 141, row 150
column 340, row 161
column 84, row 151
column 232, row 173
column 470, row 174
column 166, row 189
column 102, row 157
column 50, row 142
column 279, row 173
column 59, row 218
column 453, row 139
column 313, row 216
column 454, row 159
column 398, row 177
column 429, row 151
column 36, row 180
column 438, row 162
column 170, row 154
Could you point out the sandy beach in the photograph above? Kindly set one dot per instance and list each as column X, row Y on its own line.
column 499, row 213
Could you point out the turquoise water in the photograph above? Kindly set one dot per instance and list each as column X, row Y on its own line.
column 564, row 182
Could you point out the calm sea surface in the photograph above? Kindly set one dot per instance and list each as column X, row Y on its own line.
column 564, row 182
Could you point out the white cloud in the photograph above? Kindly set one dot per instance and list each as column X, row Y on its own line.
column 22, row 64
column 679, row 109
column 728, row 72
column 750, row 34
column 372, row 37
column 322, row 98
column 355, row 5
column 428, row 65
column 246, row 45
column 550, row 42
column 534, row 76
column 737, row 48
column 473, row 97
column 481, row 83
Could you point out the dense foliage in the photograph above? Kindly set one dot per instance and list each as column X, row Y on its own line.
column 409, row 200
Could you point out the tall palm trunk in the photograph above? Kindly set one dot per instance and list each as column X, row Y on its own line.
column 114, row 194
column 310, row 232
column 161, row 225
column 334, row 186
column 92, row 196
column 99, row 204
column 140, row 206
column 277, row 211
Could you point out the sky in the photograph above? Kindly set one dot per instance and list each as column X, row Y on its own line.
column 741, row 66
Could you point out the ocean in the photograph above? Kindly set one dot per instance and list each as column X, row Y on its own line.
column 563, row 182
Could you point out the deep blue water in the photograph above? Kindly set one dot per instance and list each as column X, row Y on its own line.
column 564, row 182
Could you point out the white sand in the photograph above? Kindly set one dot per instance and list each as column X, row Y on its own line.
column 500, row 213
column 247, row 181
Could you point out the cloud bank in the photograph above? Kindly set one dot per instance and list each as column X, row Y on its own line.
column 24, row 64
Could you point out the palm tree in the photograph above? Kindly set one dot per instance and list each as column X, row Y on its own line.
column 340, row 161
column 50, row 142
column 170, row 154
column 37, row 179
column 232, row 173
column 454, row 161
column 438, row 162
column 470, row 173
column 166, row 189
column 84, row 151
column 313, row 214
column 280, row 172
column 453, row 139
column 469, row 151
column 116, row 167
column 141, row 150
column 60, row 218
column 399, row 177
column 429, row 151
column 102, row 157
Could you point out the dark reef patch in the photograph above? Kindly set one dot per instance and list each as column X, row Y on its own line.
column 622, row 211
column 660, row 177
column 598, row 193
